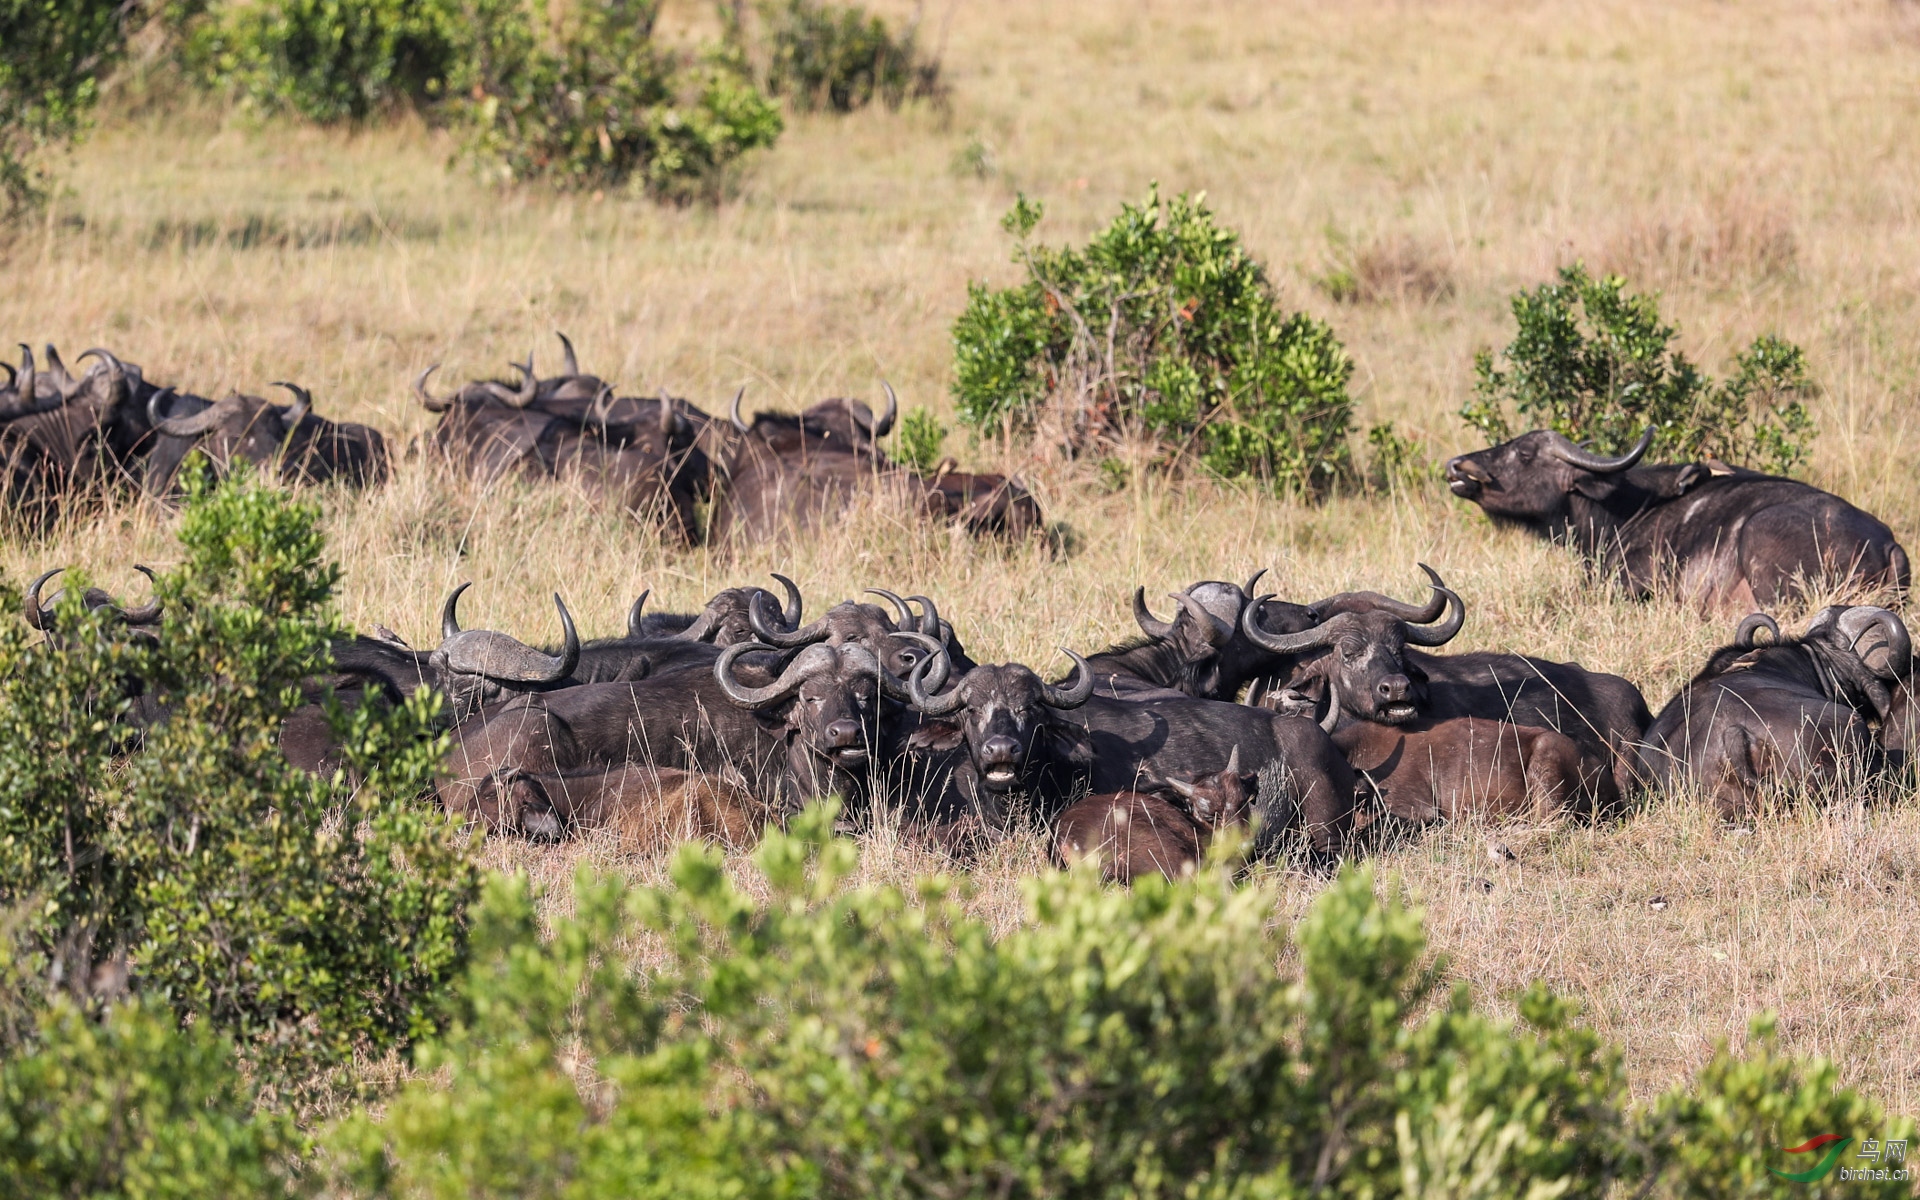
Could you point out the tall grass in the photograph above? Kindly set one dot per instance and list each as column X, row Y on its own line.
column 1756, row 163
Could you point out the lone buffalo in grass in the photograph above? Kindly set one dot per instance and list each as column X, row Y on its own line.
column 1725, row 537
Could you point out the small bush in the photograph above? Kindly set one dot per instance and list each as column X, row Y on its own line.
column 1596, row 363
column 1161, row 329
column 52, row 57
column 306, row 919
column 129, row 1105
column 840, row 57
column 331, row 60
column 600, row 103
column 920, row 440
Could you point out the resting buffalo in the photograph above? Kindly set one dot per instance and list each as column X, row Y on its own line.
column 1369, row 658
column 809, row 731
column 1726, row 537
column 1138, row 833
column 288, row 441
column 1020, row 732
column 984, row 504
column 646, row 808
column 1797, row 712
column 1444, row 770
column 787, row 472
column 1202, row 652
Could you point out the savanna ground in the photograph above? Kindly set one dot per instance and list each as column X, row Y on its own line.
column 1757, row 164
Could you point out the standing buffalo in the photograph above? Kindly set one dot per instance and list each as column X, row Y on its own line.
column 1725, row 537
column 1796, row 712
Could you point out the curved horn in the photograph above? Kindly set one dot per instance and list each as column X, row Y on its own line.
column 27, row 377
column 1149, row 624
column 1600, row 463
column 572, row 364
column 1219, row 631
column 1182, row 786
column 504, row 658
column 148, row 614
column 1280, row 643
column 601, row 406
column 671, row 422
column 903, row 616
column 1418, row 614
column 58, row 369
column 932, row 705
column 1331, row 721
column 1070, row 697
column 891, row 684
column 793, row 612
column 1441, row 634
column 703, row 625
column 1751, row 624
column 13, row 376
column 882, row 426
column 301, row 406
column 530, row 383
column 1233, row 760
column 937, row 677
column 1899, row 644
column 569, row 645
column 785, row 639
column 182, row 427
column 426, row 398
column 116, row 370
column 450, row 613
column 733, row 413
column 1253, row 582
column 38, row 617
column 929, row 616
column 154, row 405
column 633, row 614
column 808, row 662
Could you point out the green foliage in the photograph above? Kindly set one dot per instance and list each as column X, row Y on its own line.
column 828, row 1040
column 1726, row 1135
column 306, row 919
column 840, row 57
column 919, row 440
column 1162, row 328
column 131, row 1106
column 1595, row 362
column 597, row 102
column 330, row 60
column 52, row 56
column 1394, row 459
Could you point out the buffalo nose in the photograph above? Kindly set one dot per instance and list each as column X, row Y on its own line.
column 843, row 733
column 1394, row 689
column 997, row 750
column 1466, row 477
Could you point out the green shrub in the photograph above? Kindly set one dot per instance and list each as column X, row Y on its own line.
column 839, row 56
column 919, row 440
column 1596, row 363
column 1163, row 328
column 129, row 1105
column 306, row 919
column 331, row 60
column 878, row 1041
column 600, row 103
column 53, row 54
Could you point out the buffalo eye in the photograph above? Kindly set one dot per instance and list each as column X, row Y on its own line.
column 1525, row 455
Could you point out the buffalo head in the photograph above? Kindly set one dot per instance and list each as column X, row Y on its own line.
column 1002, row 711
column 1533, row 478
column 476, row 667
column 829, row 696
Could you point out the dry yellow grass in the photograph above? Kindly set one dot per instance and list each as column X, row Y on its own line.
column 1756, row 163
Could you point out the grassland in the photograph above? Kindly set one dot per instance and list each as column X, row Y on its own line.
column 1755, row 163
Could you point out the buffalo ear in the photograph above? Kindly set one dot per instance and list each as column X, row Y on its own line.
column 935, row 737
column 1597, row 487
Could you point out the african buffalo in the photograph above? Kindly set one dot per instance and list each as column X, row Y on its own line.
column 1797, row 712
column 1380, row 677
column 786, row 472
column 1136, row 833
column 1048, row 740
column 287, row 441
column 1725, row 537
column 646, row 808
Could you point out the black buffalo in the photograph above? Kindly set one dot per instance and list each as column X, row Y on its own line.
column 1794, row 713
column 1724, row 537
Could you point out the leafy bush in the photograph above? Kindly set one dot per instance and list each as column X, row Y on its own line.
column 601, row 104
column 331, row 60
column 52, row 56
column 1162, row 328
column 1596, row 363
column 132, row 1106
column 841, row 57
column 919, row 440
column 306, row 919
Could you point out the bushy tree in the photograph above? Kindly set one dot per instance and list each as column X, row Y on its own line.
column 53, row 54
column 157, row 838
column 1164, row 328
column 1596, row 362
column 840, row 56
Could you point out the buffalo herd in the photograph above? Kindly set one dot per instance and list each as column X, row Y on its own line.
column 1318, row 726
